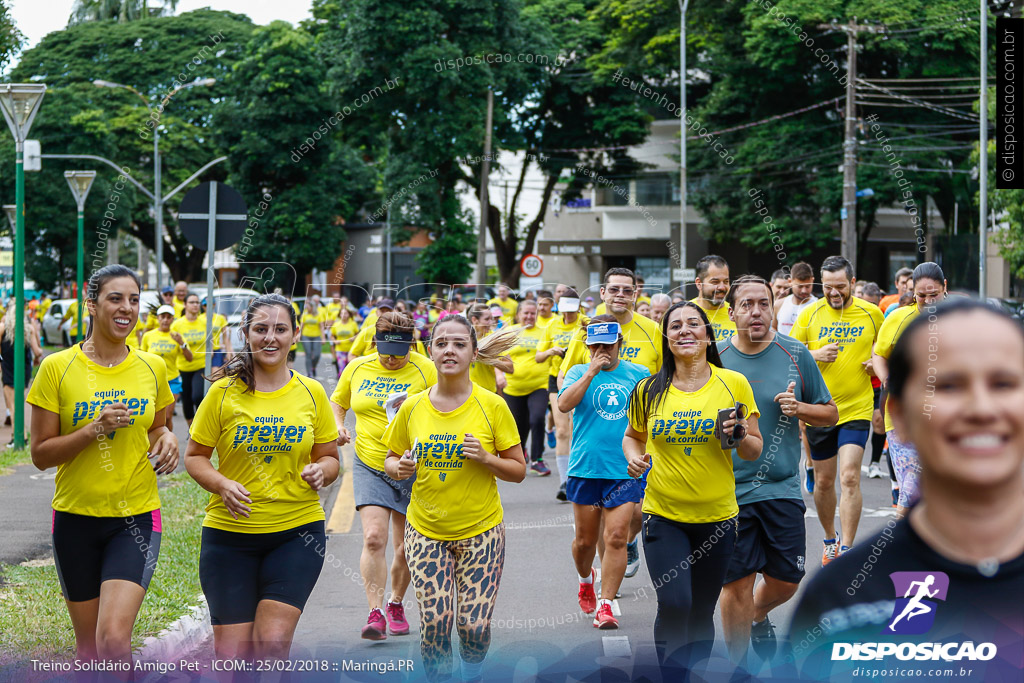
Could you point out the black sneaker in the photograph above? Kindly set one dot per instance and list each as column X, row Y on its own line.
column 7, row 422
column 762, row 639
column 561, row 493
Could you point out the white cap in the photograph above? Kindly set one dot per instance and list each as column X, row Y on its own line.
column 165, row 309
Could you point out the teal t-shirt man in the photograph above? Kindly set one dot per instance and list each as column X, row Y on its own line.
column 775, row 475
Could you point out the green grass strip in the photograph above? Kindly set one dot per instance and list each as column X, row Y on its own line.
column 10, row 457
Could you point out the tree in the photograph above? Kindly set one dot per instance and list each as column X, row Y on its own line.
column 11, row 39
column 749, row 64
column 117, row 10
column 278, row 102
column 78, row 118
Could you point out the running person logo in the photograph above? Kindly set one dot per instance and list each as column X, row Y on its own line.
column 917, row 594
column 611, row 401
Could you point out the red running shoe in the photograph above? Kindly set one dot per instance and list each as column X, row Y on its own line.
column 588, row 601
column 605, row 620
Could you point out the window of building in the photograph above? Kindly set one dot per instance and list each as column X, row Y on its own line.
column 656, row 272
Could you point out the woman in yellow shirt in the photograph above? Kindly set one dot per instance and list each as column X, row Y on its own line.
column 312, row 325
column 192, row 329
column 106, row 509
column 169, row 346
column 366, row 385
column 689, row 506
column 490, row 377
column 457, row 439
column 263, row 540
column 526, row 391
column 342, row 332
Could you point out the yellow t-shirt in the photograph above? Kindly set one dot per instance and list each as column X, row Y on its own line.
column 643, row 300
column 132, row 339
column 891, row 329
column 508, row 309
column 263, row 441
column 854, row 328
column 529, row 375
column 111, row 477
column 72, row 312
column 601, row 309
column 641, row 344
column 152, row 322
column 691, row 478
column 343, row 334
column 161, row 344
column 179, row 307
column 542, row 323
column 219, row 323
column 483, row 375
column 194, row 334
column 311, row 323
column 558, row 333
column 363, row 388
column 724, row 328
column 44, row 306
column 453, row 498
column 331, row 311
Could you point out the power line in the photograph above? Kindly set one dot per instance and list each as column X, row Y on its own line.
column 923, row 170
column 911, row 100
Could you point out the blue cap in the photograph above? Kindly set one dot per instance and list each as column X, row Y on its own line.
column 167, row 290
column 603, row 333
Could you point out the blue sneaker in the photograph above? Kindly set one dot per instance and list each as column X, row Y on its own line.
column 632, row 559
column 809, row 480
column 552, row 442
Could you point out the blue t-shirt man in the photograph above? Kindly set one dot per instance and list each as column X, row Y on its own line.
column 775, row 475
column 599, row 420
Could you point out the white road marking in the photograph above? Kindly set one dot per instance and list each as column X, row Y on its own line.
column 616, row 646
column 616, row 612
column 44, row 475
column 868, row 512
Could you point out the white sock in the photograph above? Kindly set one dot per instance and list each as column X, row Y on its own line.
column 589, row 579
column 602, row 601
column 471, row 671
column 562, row 461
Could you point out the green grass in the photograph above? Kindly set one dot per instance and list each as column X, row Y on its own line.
column 10, row 457
column 34, row 622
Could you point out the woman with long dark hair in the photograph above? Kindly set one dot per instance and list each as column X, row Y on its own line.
column 458, row 440
column 929, row 287
column 192, row 328
column 679, row 420
column 263, row 534
column 106, row 509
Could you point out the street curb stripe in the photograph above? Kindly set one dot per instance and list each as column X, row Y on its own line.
column 344, row 510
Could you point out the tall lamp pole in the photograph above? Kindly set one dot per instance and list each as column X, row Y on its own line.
column 20, row 103
column 80, row 183
column 683, row 6
column 158, row 199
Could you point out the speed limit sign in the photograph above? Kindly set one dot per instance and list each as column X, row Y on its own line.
column 531, row 265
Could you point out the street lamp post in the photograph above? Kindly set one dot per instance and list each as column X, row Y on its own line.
column 80, row 183
column 20, row 103
column 158, row 199
column 683, row 6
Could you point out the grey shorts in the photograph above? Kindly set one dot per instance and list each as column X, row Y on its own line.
column 372, row 487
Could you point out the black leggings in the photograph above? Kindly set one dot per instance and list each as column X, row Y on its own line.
column 688, row 564
column 528, row 412
column 192, row 389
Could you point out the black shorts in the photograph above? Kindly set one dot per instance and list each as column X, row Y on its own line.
column 237, row 571
column 825, row 442
column 90, row 550
column 771, row 540
column 552, row 384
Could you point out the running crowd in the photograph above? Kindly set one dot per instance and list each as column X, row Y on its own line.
column 691, row 424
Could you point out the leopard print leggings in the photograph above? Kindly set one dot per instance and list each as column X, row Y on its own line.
column 443, row 571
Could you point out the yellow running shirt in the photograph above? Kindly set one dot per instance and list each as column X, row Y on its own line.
column 311, row 323
column 161, row 344
column 691, row 478
column 331, row 311
column 132, row 339
column 363, row 388
column 453, row 498
column 111, row 477
column 483, row 375
column 544, row 322
column 558, row 333
column 194, row 334
column 508, row 309
column 641, row 344
column 529, row 375
column 263, row 441
column 854, row 328
column 343, row 335
column 724, row 328
column 891, row 329
column 219, row 323
column 179, row 307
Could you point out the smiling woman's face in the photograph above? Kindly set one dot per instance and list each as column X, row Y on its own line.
column 963, row 405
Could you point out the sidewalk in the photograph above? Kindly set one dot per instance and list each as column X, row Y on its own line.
column 25, row 512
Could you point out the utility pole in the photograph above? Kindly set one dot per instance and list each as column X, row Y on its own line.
column 485, row 172
column 848, row 214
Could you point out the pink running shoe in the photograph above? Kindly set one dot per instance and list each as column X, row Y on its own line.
column 587, row 598
column 397, row 625
column 376, row 626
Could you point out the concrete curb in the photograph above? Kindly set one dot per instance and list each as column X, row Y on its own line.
column 185, row 635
